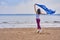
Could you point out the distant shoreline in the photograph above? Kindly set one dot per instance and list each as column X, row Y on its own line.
column 23, row 14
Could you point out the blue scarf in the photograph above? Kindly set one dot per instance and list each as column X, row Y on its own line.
column 48, row 11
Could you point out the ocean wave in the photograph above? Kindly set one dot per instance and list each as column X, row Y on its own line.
column 27, row 22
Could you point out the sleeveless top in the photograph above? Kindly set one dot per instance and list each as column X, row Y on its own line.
column 37, row 16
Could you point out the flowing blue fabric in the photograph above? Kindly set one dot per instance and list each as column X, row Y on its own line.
column 48, row 11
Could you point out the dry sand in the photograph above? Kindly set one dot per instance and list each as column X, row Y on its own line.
column 29, row 34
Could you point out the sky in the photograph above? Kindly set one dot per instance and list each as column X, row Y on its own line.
column 26, row 6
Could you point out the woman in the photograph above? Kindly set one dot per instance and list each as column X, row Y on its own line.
column 38, row 12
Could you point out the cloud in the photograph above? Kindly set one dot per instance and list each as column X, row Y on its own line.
column 25, row 6
column 13, row 2
column 21, row 8
column 10, row 2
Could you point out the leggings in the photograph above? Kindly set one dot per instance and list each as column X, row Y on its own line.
column 38, row 23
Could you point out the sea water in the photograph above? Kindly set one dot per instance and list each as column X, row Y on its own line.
column 28, row 20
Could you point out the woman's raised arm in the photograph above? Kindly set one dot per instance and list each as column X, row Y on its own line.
column 35, row 7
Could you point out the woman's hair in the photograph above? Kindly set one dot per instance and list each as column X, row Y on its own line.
column 38, row 11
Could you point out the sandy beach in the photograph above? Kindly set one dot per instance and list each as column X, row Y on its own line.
column 29, row 34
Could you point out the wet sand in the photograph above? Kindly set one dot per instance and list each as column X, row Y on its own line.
column 29, row 34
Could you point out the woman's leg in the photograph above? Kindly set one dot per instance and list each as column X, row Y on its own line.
column 38, row 23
